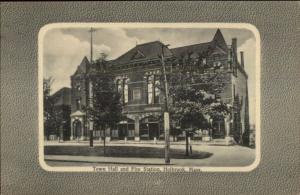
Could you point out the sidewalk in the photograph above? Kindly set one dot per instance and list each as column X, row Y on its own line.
column 222, row 156
column 132, row 142
column 105, row 160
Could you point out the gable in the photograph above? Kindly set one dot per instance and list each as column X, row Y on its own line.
column 218, row 50
column 84, row 65
column 219, row 40
column 138, row 55
column 82, row 68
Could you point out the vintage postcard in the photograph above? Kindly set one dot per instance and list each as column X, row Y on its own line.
column 149, row 97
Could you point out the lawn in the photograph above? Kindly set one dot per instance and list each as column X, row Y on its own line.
column 123, row 151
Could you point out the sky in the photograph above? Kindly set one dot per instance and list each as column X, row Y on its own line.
column 64, row 48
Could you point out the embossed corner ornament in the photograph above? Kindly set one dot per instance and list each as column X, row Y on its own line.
column 149, row 97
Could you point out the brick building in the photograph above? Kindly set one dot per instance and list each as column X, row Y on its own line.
column 61, row 110
column 136, row 75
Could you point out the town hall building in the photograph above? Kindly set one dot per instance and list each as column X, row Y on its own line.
column 136, row 74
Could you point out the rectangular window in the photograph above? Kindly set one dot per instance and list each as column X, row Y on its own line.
column 136, row 92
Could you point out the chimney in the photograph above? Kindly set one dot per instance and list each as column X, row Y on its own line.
column 234, row 48
column 242, row 58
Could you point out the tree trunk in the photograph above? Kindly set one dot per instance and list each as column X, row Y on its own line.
column 91, row 138
column 104, row 152
column 186, row 143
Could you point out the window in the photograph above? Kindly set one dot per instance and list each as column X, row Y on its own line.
column 77, row 104
column 78, row 87
column 119, row 86
column 217, row 56
column 91, row 94
column 115, row 133
column 125, row 91
column 153, row 84
column 230, row 59
column 119, row 89
column 136, row 94
column 150, row 80
column 233, row 90
column 157, row 90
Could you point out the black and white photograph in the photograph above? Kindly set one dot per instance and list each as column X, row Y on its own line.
column 149, row 97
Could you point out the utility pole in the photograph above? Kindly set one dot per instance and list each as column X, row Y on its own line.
column 91, row 124
column 166, row 111
column 91, row 31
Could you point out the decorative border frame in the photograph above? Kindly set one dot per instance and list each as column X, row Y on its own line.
column 161, row 168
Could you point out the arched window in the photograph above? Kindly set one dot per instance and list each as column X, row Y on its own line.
column 91, row 94
column 119, row 85
column 153, row 90
column 125, row 90
column 150, row 81
column 156, row 89
column 78, row 87
column 77, row 104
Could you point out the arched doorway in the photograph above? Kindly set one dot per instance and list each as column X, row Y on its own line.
column 126, row 129
column 218, row 127
column 78, row 125
column 77, row 129
column 150, row 128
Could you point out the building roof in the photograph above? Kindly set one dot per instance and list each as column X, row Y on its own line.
column 152, row 51
column 219, row 40
column 62, row 97
column 146, row 51
column 200, row 48
column 204, row 49
column 83, row 66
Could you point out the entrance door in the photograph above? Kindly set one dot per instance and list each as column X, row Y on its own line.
column 77, row 129
column 153, row 130
column 218, row 129
column 122, row 131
